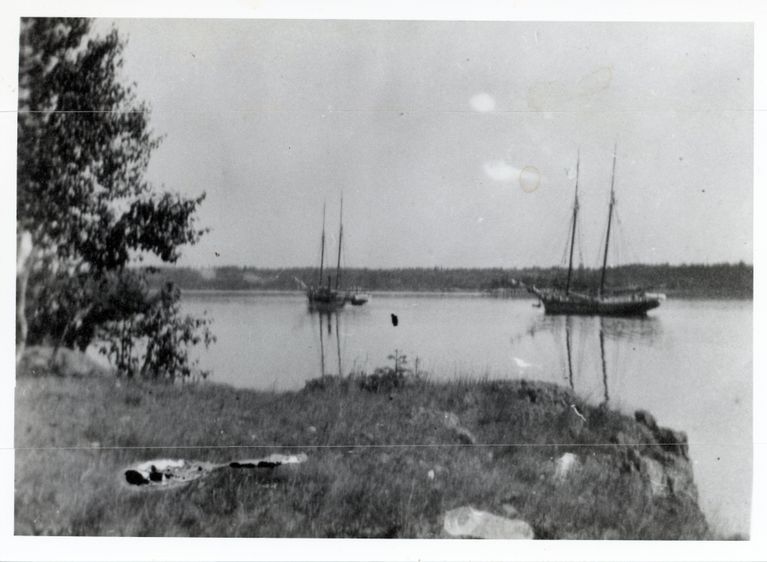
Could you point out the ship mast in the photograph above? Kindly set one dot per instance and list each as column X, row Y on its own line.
column 340, row 236
column 322, row 253
column 609, row 224
column 575, row 220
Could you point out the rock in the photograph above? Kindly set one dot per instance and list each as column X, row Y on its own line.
column 564, row 465
column 37, row 360
column 655, row 476
column 430, row 475
column 672, row 441
column 611, row 535
column 620, row 439
column 510, row 510
column 453, row 423
column 631, row 460
column 646, row 418
column 679, row 478
column 469, row 522
column 464, row 436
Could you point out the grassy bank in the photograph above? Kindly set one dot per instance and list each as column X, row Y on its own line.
column 383, row 462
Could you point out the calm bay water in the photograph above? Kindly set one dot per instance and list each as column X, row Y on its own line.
column 689, row 363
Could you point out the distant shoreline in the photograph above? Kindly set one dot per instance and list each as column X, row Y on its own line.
column 691, row 281
column 676, row 294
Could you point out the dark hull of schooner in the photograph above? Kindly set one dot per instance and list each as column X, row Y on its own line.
column 325, row 300
column 635, row 304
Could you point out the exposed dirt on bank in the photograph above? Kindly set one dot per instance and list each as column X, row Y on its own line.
column 383, row 460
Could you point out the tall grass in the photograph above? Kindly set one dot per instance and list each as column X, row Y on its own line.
column 372, row 456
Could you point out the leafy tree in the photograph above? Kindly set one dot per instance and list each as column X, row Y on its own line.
column 84, row 143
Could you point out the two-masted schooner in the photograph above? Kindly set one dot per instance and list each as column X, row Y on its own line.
column 556, row 301
column 323, row 297
column 329, row 296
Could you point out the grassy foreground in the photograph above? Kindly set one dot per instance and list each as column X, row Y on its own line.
column 384, row 462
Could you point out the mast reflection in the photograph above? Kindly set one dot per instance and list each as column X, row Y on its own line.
column 326, row 321
column 612, row 334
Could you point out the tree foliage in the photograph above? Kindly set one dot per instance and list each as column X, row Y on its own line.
column 84, row 144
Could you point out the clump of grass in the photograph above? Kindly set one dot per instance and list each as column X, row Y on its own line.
column 382, row 462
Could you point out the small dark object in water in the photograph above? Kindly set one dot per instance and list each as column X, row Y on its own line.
column 135, row 478
column 394, row 320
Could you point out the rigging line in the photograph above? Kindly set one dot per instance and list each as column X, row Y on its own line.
column 601, row 246
column 628, row 247
column 620, row 241
column 618, row 247
column 567, row 243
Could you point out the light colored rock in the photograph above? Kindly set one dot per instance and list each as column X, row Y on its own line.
column 38, row 360
column 469, row 522
column 451, row 420
column 510, row 510
column 453, row 423
column 464, row 436
column 564, row 466
column 655, row 476
column 611, row 535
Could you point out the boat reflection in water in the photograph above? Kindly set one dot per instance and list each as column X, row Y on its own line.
column 618, row 340
column 326, row 321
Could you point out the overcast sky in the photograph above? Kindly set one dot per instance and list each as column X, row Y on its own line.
column 454, row 144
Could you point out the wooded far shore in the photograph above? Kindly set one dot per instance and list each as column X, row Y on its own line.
column 692, row 281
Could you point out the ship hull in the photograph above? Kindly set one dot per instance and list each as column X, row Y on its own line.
column 325, row 300
column 358, row 299
column 637, row 304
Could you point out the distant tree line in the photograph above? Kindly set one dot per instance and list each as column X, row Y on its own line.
column 714, row 280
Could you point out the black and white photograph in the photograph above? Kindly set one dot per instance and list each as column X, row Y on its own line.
column 406, row 279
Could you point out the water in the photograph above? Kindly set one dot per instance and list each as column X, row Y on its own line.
column 689, row 363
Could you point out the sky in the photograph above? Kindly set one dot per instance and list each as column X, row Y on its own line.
column 454, row 144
